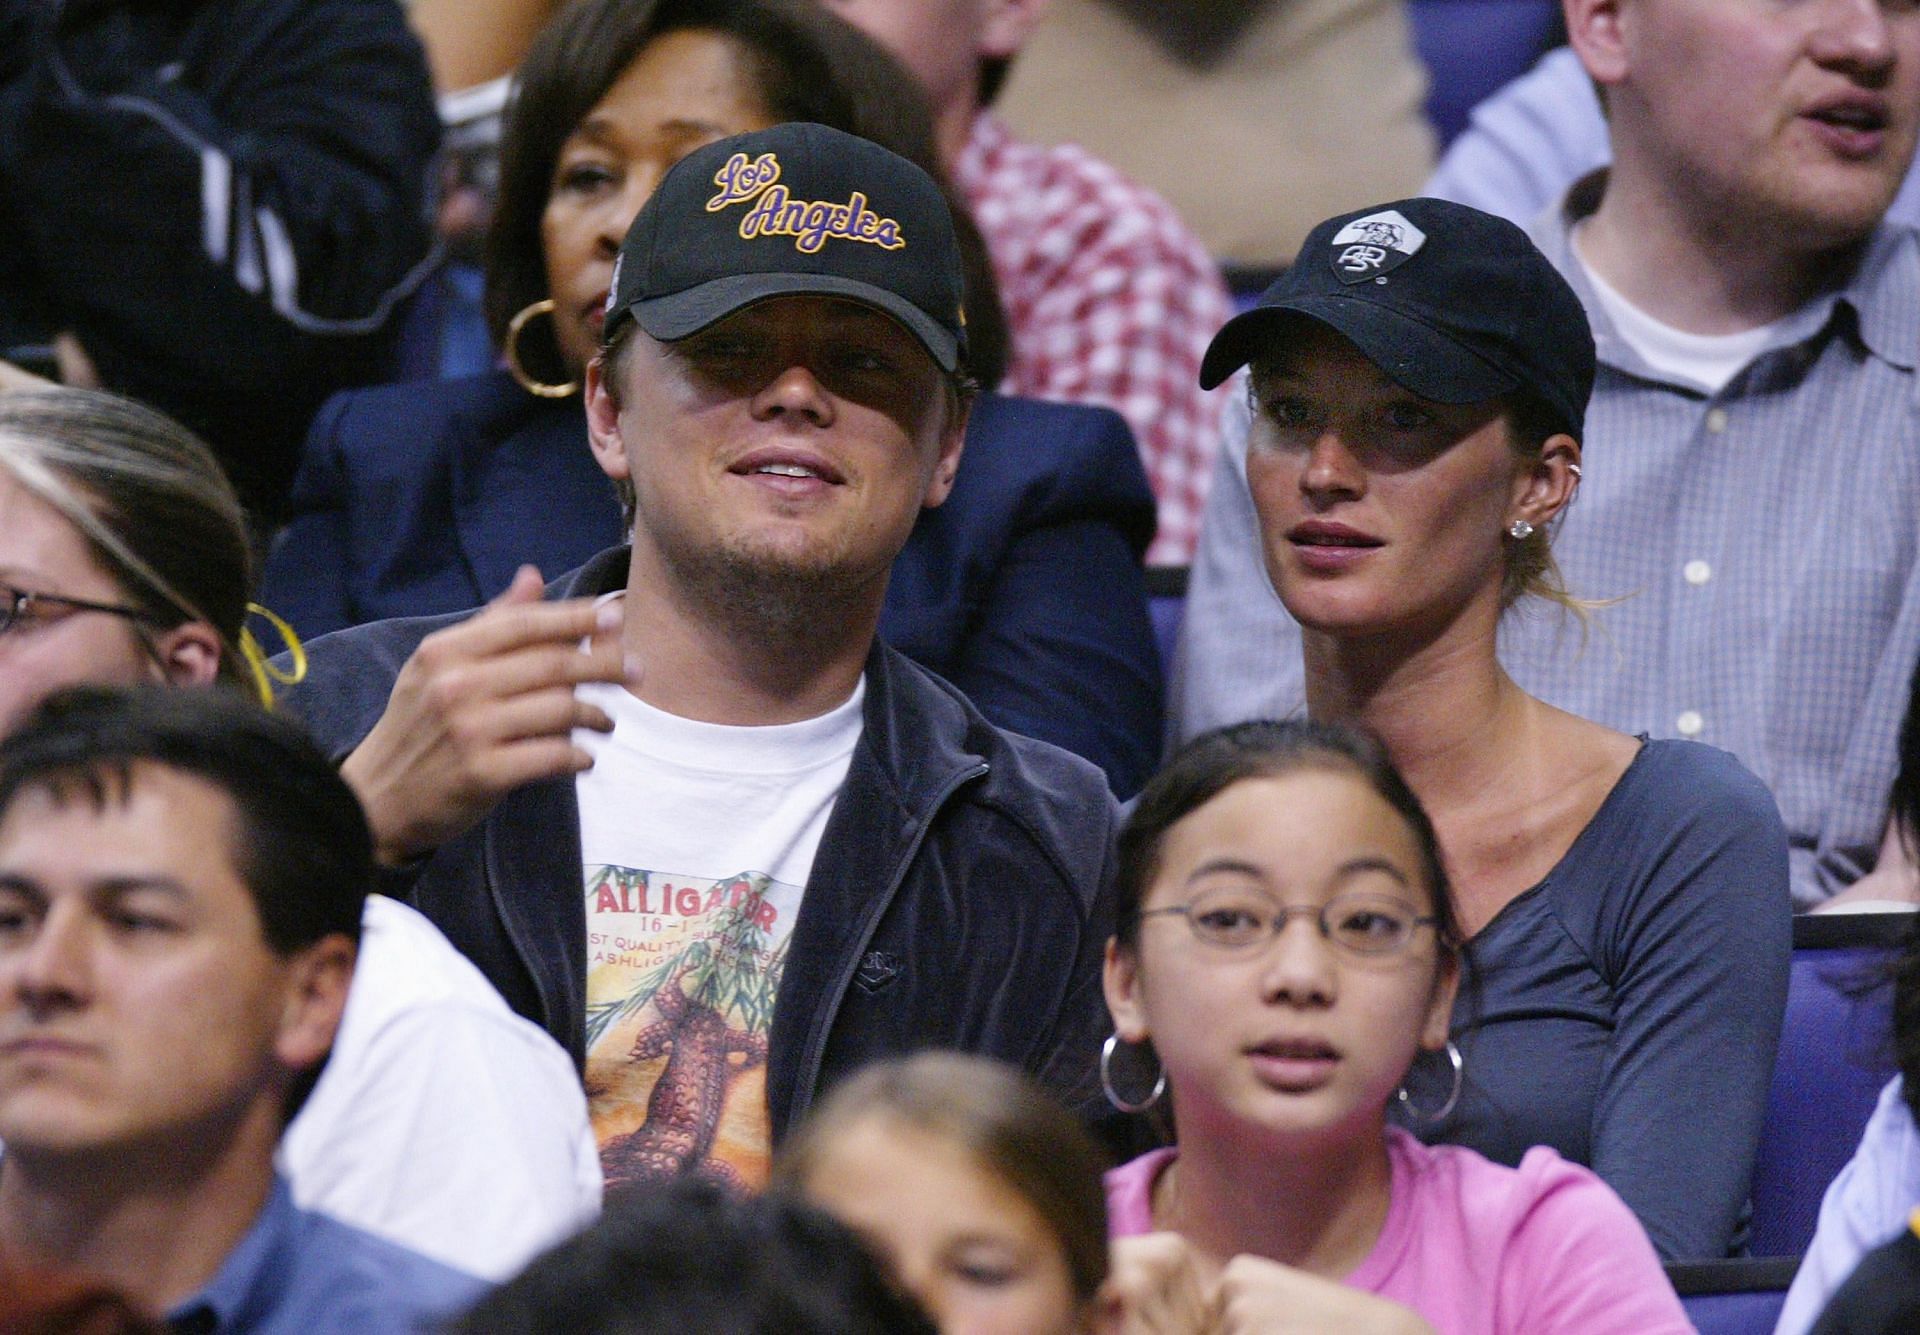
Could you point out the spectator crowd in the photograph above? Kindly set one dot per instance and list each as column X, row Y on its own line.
column 962, row 665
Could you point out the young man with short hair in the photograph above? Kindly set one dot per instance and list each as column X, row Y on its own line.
column 181, row 882
column 692, row 816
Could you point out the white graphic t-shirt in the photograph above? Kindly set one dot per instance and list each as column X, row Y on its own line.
column 697, row 840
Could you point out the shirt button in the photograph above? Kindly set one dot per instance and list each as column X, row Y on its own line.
column 1690, row 723
column 1697, row 572
column 1716, row 420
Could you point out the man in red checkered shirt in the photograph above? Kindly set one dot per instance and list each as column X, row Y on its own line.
column 1110, row 298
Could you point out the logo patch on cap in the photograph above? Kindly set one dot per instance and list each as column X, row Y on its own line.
column 1370, row 246
column 808, row 221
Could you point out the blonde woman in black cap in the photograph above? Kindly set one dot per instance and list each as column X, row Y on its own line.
column 1418, row 382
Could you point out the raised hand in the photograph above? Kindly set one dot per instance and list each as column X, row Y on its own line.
column 1156, row 1285
column 480, row 709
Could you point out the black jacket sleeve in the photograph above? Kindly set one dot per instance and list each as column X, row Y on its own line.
column 226, row 200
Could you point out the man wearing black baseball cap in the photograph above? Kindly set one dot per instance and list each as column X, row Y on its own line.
column 688, row 813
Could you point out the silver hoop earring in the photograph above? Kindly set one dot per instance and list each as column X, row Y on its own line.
column 1520, row 530
column 1575, row 470
column 1453, row 1095
column 1113, row 1095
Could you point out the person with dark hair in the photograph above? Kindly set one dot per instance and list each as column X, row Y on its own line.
column 690, row 1257
column 214, row 206
column 1110, row 298
column 1287, row 948
column 1025, row 589
column 443, row 1121
column 982, row 1193
column 1867, row 1205
column 1418, row 383
column 182, row 877
column 796, row 851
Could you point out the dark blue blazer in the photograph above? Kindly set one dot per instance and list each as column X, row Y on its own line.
column 1025, row 589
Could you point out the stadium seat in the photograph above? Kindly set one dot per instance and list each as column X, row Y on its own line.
column 1740, row 1297
column 1167, row 605
column 1833, row 1059
column 1472, row 47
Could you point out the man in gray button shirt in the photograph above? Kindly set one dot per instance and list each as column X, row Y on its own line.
column 1751, row 506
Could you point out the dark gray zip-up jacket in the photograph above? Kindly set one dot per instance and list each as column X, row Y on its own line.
column 961, row 896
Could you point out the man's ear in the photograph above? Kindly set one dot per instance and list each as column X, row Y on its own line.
column 1595, row 32
column 188, row 654
column 1120, row 980
column 1007, row 26
column 317, row 983
column 946, row 467
column 603, row 421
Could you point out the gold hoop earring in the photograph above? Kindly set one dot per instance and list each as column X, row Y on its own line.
column 544, row 306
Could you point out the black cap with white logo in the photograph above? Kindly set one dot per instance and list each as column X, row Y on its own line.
column 1453, row 304
column 799, row 209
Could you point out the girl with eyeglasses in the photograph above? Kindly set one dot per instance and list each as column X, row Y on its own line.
column 1285, row 951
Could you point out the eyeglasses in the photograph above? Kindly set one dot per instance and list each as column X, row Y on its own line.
column 17, row 607
column 1241, row 920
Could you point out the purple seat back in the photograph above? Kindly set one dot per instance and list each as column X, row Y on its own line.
column 1833, row 1059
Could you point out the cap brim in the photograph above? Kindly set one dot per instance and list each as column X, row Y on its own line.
column 680, row 314
column 1414, row 355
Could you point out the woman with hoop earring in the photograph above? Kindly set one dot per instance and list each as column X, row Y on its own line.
column 1286, row 950
column 1025, row 589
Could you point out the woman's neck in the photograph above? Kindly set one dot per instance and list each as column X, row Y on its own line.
column 1508, row 781
column 1449, row 714
column 1318, row 1207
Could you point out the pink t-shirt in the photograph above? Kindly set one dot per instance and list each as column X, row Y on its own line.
column 1475, row 1248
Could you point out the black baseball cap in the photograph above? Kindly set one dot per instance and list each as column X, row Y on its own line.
column 800, row 209
column 1453, row 304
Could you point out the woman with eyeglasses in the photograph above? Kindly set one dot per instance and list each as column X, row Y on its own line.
column 1418, row 383
column 1286, row 950
column 123, row 556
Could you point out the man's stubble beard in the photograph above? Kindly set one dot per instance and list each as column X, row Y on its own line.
column 785, row 599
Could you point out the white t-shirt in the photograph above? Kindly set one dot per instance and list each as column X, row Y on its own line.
column 1707, row 360
column 444, row 1121
column 697, row 841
